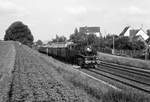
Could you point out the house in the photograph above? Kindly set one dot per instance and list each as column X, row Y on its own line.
column 142, row 34
column 134, row 33
column 90, row 30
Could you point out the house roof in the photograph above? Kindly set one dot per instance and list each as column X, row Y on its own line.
column 128, row 31
column 124, row 30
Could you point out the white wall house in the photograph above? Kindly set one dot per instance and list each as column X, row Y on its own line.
column 130, row 32
column 142, row 34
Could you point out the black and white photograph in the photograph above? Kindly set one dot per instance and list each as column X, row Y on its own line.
column 74, row 50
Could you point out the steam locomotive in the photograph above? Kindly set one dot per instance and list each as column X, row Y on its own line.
column 85, row 57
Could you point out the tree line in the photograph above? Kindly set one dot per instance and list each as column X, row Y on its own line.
column 18, row 31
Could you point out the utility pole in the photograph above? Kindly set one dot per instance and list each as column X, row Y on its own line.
column 113, row 51
column 146, row 50
column 146, row 53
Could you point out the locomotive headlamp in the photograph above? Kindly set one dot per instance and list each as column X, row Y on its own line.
column 89, row 49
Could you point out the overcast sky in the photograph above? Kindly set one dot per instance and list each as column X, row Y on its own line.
column 46, row 18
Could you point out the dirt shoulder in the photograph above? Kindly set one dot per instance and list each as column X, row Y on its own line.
column 7, row 60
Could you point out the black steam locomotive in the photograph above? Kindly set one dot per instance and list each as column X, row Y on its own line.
column 70, row 52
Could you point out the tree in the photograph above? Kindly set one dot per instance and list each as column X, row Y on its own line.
column 148, row 32
column 59, row 39
column 138, row 45
column 39, row 42
column 124, row 43
column 76, row 31
column 75, row 36
column 18, row 31
column 79, row 38
column 108, row 40
column 62, row 39
column 91, row 39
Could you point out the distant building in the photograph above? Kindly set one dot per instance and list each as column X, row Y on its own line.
column 132, row 33
column 90, row 30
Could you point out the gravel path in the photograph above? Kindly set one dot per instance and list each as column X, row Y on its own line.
column 7, row 60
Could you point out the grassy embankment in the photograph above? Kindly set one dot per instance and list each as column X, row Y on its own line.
column 124, row 60
column 87, row 89
column 36, row 81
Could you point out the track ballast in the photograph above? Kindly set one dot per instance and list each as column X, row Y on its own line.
column 138, row 78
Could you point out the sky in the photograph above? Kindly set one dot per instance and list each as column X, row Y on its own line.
column 46, row 18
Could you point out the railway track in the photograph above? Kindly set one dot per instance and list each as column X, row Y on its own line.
column 137, row 78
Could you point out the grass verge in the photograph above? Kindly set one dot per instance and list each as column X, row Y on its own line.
column 116, row 96
column 124, row 60
column 94, row 88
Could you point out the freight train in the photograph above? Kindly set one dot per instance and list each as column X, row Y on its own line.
column 85, row 57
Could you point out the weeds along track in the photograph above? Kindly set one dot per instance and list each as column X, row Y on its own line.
column 131, row 76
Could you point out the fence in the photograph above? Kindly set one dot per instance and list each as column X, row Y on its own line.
column 130, row 53
column 105, row 50
column 126, row 53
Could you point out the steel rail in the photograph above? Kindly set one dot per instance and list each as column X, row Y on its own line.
column 123, row 82
column 123, row 76
column 146, row 70
column 138, row 72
